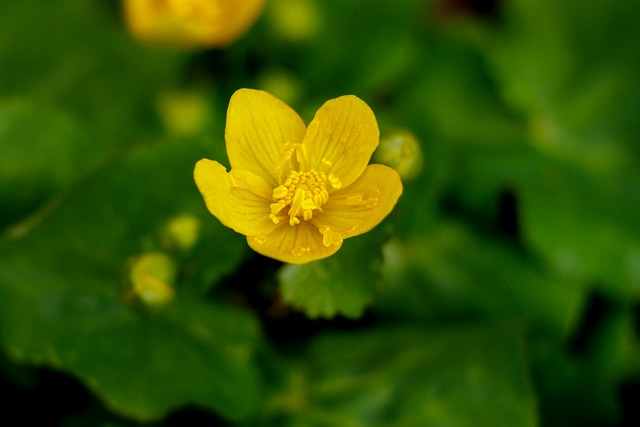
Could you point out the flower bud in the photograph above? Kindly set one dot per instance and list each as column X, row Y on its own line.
column 152, row 276
column 282, row 84
column 181, row 232
column 184, row 113
column 296, row 21
column 400, row 150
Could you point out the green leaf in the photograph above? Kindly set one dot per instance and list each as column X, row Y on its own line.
column 544, row 49
column 78, row 56
column 43, row 152
column 410, row 376
column 463, row 104
column 583, row 389
column 16, row 374
column 65, row 300
column 570, row 70
column 370, row 49
column 450, row 273
column 343, row 284
column 587, row 226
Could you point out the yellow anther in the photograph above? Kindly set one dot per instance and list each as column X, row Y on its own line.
column 334, row 181
column 277, row 207
column 330, row 237
column 308, row 205
column 296, row 204
column 280, row 192
column 303, row 193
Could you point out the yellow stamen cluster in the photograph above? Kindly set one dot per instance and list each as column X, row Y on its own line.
column 303, row 193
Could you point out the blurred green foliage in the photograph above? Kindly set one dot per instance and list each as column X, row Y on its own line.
column 503, row 290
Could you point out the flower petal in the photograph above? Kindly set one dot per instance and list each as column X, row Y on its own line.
column 344, row 132
column 235, row 18
column 364, row 204
column 258, row 125
column 191, row 23
column 239, row 199
column 296, row 245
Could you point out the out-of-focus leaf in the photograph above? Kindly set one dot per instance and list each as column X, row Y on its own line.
column 557, row 65
column 449, row 273
column 78, row 56
column 343, row 284
column 583, row 223
column 584, row 389
column 43, row 153
column 543, row 48
column 64, row 301
column 17, row 374
column 453, row 105
column 358, row 46
column 587, row 226
column 563, row 145
column 407, row 376
column 458, row 98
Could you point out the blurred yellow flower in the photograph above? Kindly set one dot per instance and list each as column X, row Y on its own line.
column 296, row 192
column 191, row 23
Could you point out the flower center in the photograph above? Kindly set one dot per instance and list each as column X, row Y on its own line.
column 303, row 193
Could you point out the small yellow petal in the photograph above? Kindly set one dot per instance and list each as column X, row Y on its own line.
column 240, row 200
column 258, row 126
column 361, row 206
column 341, row 138
column 297, row 244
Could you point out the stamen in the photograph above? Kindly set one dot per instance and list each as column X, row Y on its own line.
column 303, row 193
column 330, row 237
column 367, row 199
column 301, row 156
column 334, row 181
column 280, row 192
column 292, row 157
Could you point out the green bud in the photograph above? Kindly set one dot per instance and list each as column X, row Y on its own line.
column 400, row 150
column 184, row 113
column 181, row 232
column 295, row 20
column 282, row 84
column 152, row 276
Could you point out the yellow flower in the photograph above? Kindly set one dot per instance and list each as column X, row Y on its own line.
column 296, row 192
column 191, row 23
